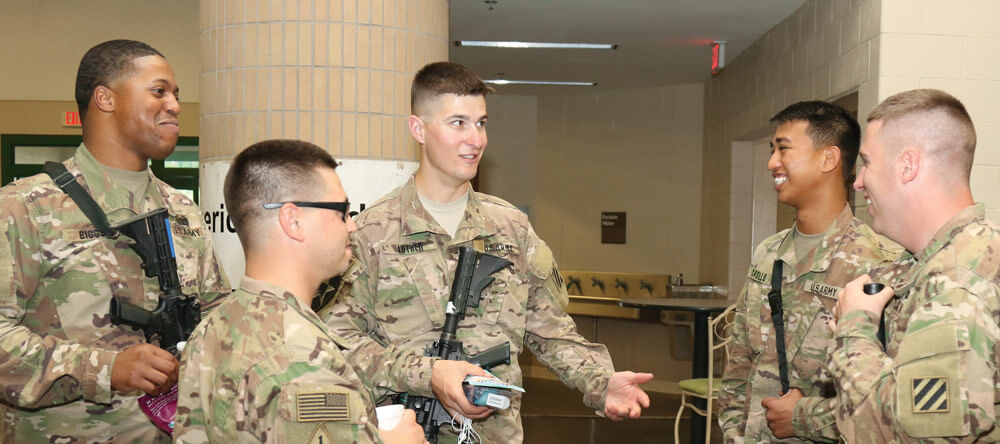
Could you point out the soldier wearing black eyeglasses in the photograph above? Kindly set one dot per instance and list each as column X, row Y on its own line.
column 262, row 366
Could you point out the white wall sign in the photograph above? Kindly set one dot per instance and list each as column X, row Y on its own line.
column 365, row 180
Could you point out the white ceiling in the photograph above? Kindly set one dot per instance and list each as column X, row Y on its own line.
column 661, row 42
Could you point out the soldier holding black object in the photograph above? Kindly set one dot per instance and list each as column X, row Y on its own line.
column 393, row 301
column 936, row 378
column 68, row 372
column 775, row 385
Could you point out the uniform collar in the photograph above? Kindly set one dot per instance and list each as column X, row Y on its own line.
column 110, row 195
column 415, row 219
column 819, row 259
column 267, row 290
column 947, row 232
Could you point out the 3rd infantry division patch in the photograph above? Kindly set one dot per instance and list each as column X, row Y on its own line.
column 322, row 406
column 930, row 395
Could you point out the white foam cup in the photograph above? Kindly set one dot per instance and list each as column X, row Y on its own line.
column 388, row 416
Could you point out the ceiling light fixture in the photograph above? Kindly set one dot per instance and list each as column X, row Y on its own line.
column 537, row 82
column 543, row 45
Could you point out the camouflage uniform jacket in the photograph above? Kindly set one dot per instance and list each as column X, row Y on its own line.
column 808, row 293
column 937, row 380
column 392, row 303
column 60, row 274
column 263, row 368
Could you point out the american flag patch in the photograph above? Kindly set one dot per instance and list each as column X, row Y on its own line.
column 322, row 406
column 930, row 395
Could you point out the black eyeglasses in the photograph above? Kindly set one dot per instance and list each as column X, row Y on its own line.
column 343, row 207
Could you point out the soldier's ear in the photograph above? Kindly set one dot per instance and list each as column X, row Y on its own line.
column 416, row 125
column 831, row 158
column 909, row 161
column 103, row 98
column 288, row 218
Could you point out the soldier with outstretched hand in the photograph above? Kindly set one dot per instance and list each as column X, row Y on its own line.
column 393, row 300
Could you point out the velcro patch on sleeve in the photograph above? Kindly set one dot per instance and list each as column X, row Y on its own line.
column 930, row 394
column 322, row 406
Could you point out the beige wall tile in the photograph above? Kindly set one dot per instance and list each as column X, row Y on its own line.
column 305, row 89
column 348, row 139
column 305, row 44
column 922, row 55
column 349, row 47
column 350, row 11
column 980, row 57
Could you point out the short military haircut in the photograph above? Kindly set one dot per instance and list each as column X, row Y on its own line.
column 933, row 119
column 105, row 63
column 277, row 170
column 440, row 78
column 829, row 125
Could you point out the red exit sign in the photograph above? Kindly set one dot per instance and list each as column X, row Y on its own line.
column 72, row 118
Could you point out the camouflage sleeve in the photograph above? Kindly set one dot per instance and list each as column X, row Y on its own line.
column 214, row 283
column 940, row 383
column 190, row 425
column 733, row 389
column 39, row 371
column 815, row 419
column 352, row 317
column 552, row 337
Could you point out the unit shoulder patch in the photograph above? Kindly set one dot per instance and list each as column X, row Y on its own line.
column 930, row 394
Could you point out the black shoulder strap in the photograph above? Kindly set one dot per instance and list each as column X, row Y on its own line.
column 65, row 180
column 777, row 318
column 881, row 330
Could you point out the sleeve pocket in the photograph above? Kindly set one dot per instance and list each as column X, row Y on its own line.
column 930, row 398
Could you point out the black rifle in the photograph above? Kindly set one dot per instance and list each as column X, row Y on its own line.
column 175, row 317
column 472, row 276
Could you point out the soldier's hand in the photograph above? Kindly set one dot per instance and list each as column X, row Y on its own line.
column 853, row 297
column 625, row 399
column 446, row 381
column 780, row 412
column 144, row 367
column 406, row 432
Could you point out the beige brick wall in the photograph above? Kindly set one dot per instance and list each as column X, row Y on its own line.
column 334, row 73
column 825, row 50
column 953, row 46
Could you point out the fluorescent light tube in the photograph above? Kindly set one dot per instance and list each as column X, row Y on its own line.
column 486, row 44
column 537, row 82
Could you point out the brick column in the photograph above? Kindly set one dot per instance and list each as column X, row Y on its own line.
column 336, row 73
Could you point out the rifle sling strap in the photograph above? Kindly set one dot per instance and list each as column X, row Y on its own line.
column 777, row 318
column 67, row 182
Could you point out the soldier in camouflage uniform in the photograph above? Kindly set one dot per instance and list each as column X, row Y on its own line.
column 69, row 374
column 935, row 379
column 393, row 302
column 262, row 367
column 813, row 153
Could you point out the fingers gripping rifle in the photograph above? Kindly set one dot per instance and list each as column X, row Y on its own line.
column 472, row 276
column 175, row 317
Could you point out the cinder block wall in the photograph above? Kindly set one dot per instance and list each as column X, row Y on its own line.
column 825, row 50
